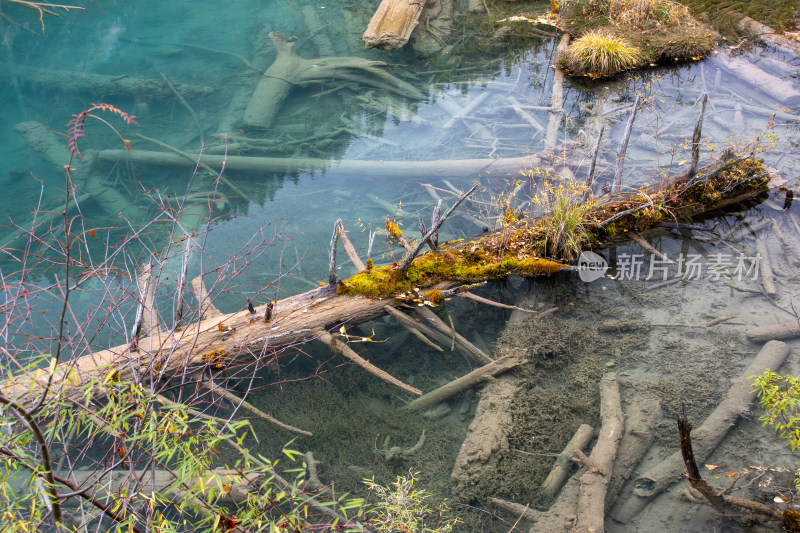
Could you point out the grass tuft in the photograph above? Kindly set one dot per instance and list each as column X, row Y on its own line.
column 598, row 53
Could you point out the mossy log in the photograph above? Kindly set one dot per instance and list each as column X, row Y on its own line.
column 392, row 23
column 220, row 339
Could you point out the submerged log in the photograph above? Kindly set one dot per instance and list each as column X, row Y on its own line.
column 783, row 91
column 289, row 69
column 488, row 435
column 778, row 332
column 385, row 169
column 392, row 23
column 102, row 86
column 558, row 475
column 594, row 482
column 295, row 319
column 737, row 402
column 477, row 376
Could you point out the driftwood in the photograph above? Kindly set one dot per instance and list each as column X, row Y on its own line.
column 558, row 475
column 289, row 70
column 392, row 23
column 594, row 482
column 479, row 375
column 779, row 332
column 737, row 402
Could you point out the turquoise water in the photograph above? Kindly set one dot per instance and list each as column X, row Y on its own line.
column 219, row 50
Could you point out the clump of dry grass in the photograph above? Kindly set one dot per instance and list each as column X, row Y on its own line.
column 599, row 53
column 659, row 29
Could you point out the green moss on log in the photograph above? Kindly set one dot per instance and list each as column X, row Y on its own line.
column 523, row 247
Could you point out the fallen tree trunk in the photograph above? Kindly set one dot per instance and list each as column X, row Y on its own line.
column 641, row 420
column 392, row 23
column 294, row 320
column 737, row 401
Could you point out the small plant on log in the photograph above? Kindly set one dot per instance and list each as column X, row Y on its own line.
column 565, row 228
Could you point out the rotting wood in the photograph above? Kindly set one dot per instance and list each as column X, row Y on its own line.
column 736, row 402
column 594, row 482
column 477, row 376
column 560, row 471
column 241, row 402
column 290, row 70
column 392, row 24
column 341, row 348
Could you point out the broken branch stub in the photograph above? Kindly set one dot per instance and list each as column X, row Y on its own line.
column 418, row 248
